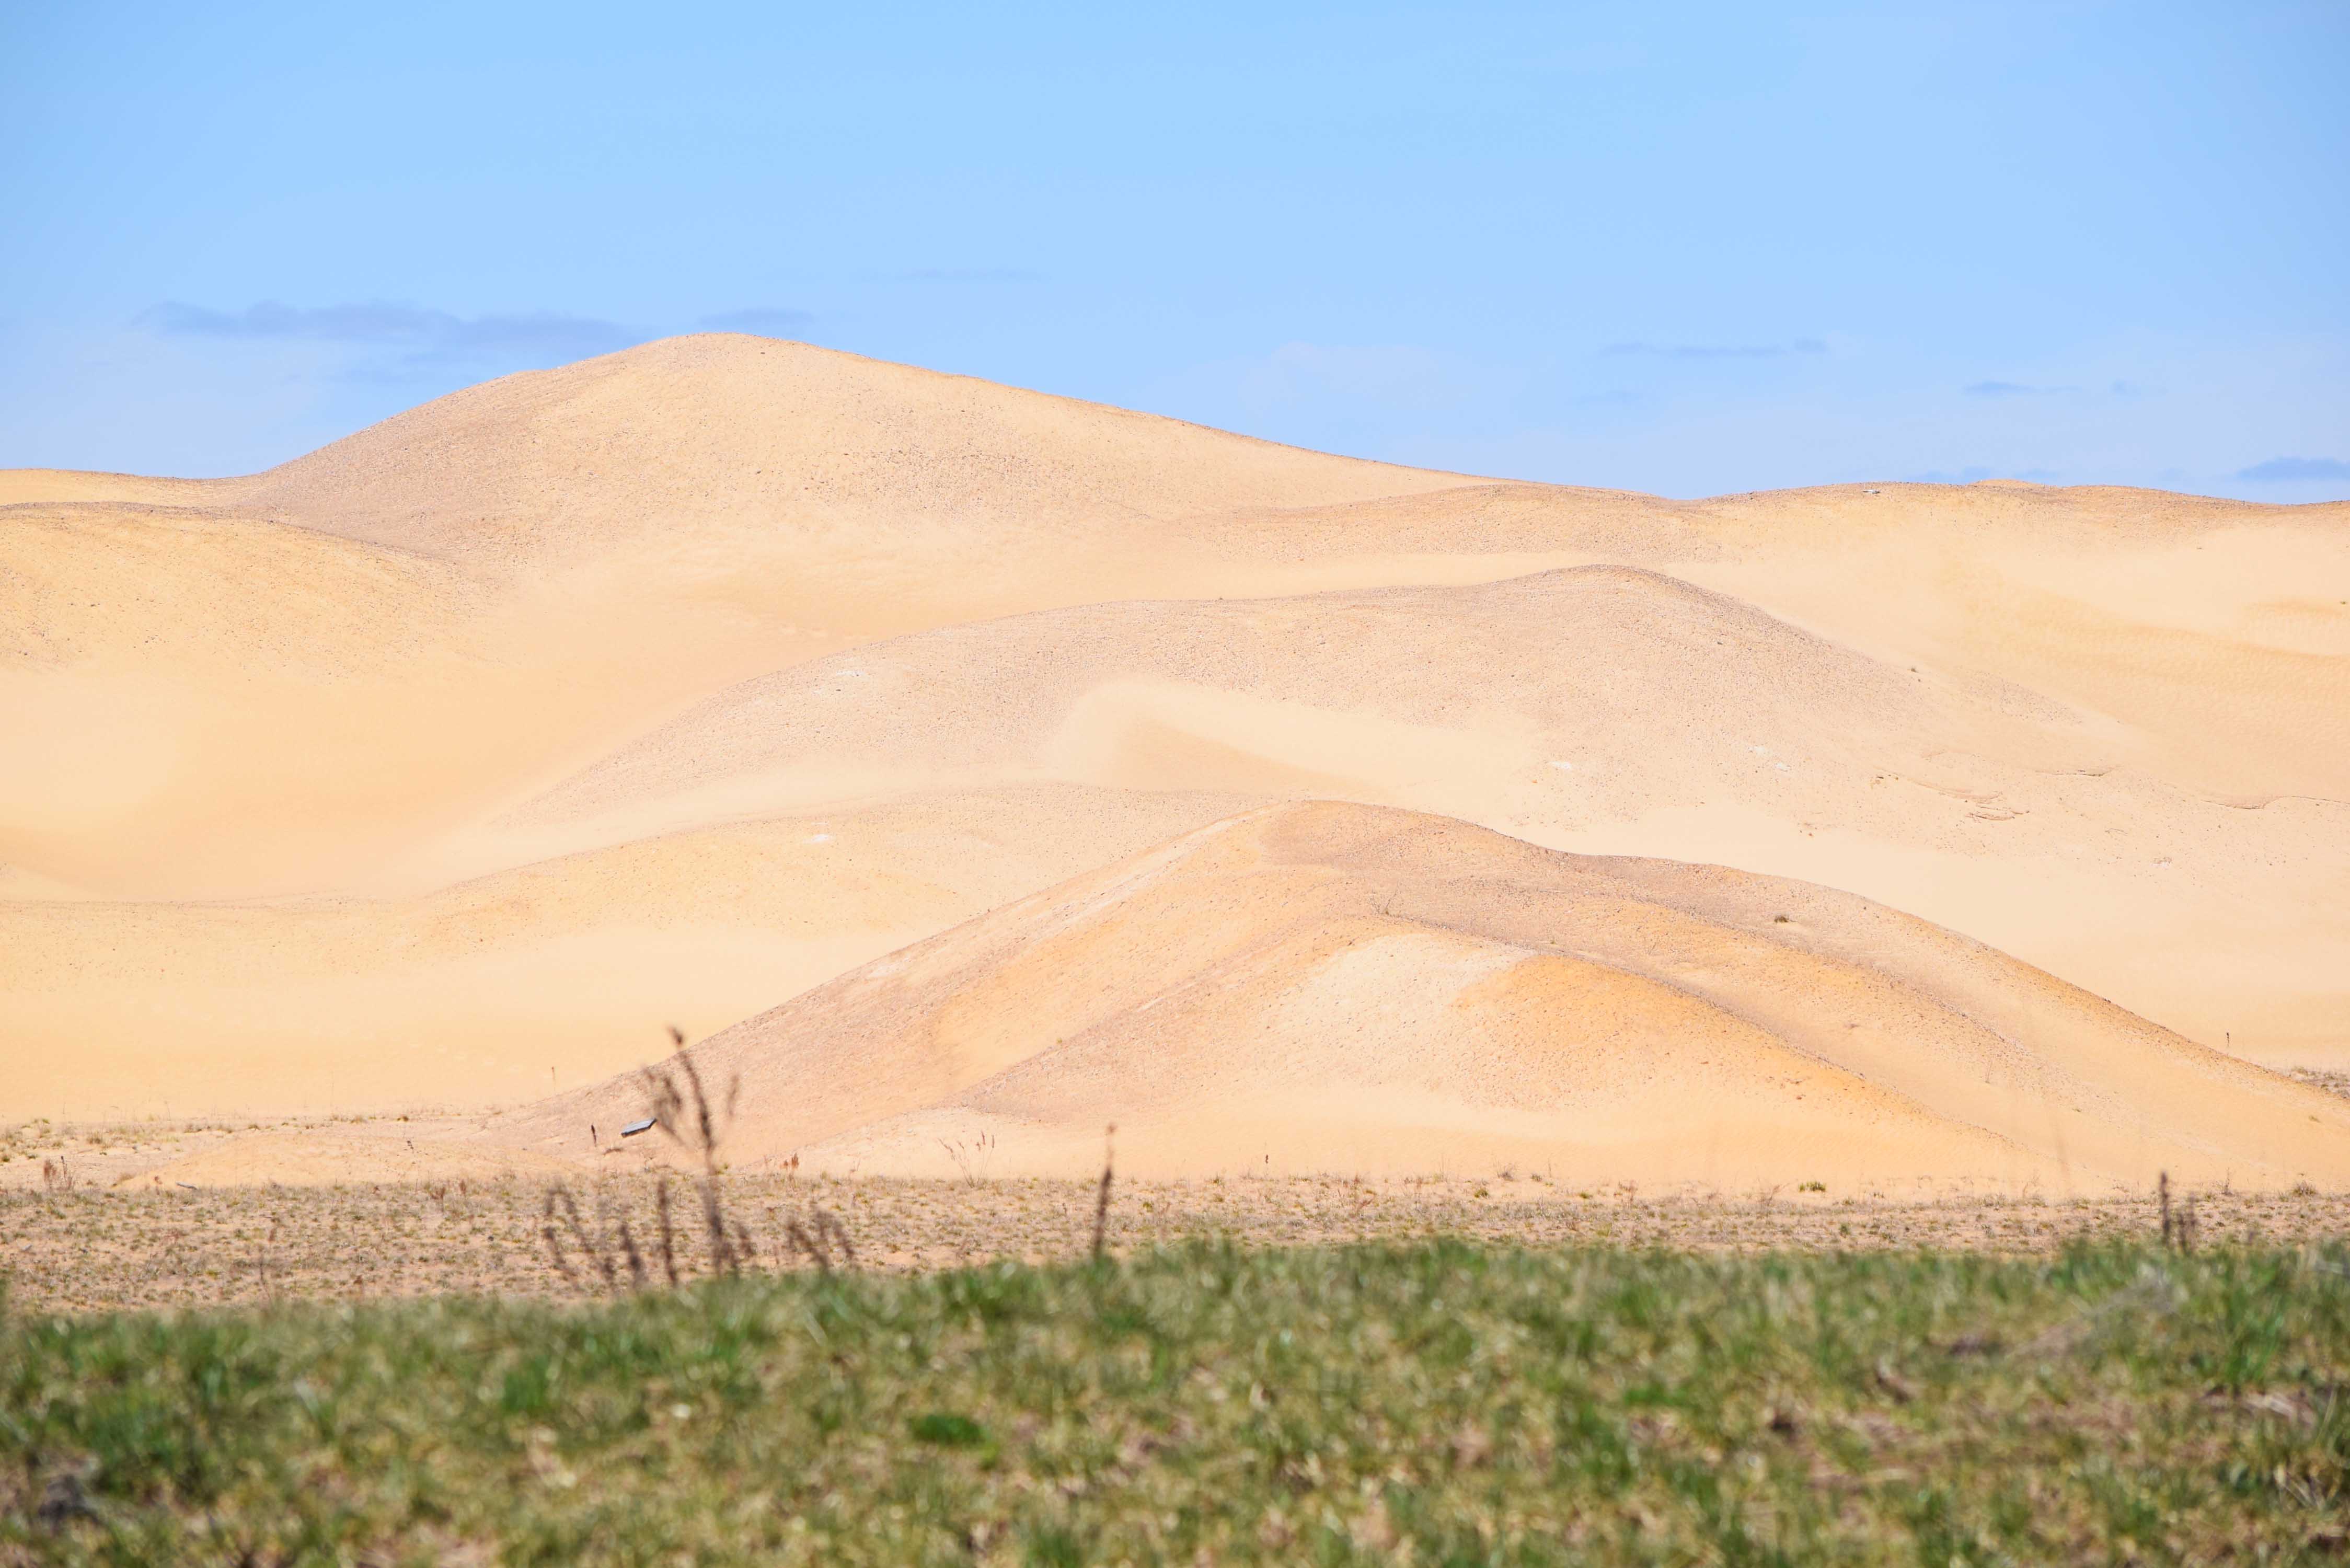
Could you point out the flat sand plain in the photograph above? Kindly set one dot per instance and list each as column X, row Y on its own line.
column 449, row 765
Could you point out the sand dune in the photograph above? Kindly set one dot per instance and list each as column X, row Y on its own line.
column 1329, row 987
column 537, row 570
column 1583, row 694
column 464, row 747
column 200, row 701
column 280, row 684
column 499, row 988
column 747, row 439
column 1603, row 709
column 23, row 485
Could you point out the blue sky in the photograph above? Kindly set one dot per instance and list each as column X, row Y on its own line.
column 1691, row 249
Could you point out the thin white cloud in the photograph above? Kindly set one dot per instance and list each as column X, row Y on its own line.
column 433, row 333
column 2295, row 470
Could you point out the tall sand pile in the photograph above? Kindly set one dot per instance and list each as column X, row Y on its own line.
column 1326, row 987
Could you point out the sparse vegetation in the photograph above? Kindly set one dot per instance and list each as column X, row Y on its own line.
column 2106, row 1380
column 971, row 1158
column 105, row 1248
column 1434, row 1403
column 2318, row 1078
column 682, row 1109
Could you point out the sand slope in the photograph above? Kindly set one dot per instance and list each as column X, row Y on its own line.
column 1598, row 709
column 745, row 438
column 589, row 632
column 280, row 684
column 1337, row 986
column 501, row 988
column 197, row 701
column 438, row 618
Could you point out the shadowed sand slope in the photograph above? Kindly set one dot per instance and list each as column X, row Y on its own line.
column 495, row 990
column 192, row 698
column 1337, row 986
column 1581, row 694
column 1607, row 709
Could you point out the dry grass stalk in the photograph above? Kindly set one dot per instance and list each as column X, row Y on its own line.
column 970, row 1159
column 554, row 1246
column 2178, row 1227
column 636, row 1278
column 668, row 1231
column 1101, row 1200
column 268, row 1291
column 681, row 1106
column 822, row 1231
column 611, row 1246
column 686, row 1118
column 561, row 1205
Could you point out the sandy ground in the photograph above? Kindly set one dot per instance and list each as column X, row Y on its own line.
column 445, row 765
column 157, row 1245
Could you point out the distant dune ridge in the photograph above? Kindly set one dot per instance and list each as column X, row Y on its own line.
column 448, row 763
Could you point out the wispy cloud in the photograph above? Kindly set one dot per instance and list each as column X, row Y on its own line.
column 426, row 334
column 2286, row 470
column 1719, row 350
column 760, row 322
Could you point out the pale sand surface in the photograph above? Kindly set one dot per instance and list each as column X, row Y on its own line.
column 1328, row 987
column 507, row 986
column 1601, row 709
column 474, row 745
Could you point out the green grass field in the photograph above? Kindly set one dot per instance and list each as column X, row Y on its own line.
column 1431, row 1404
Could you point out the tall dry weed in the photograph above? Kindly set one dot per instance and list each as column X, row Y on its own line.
column 680, row 1106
